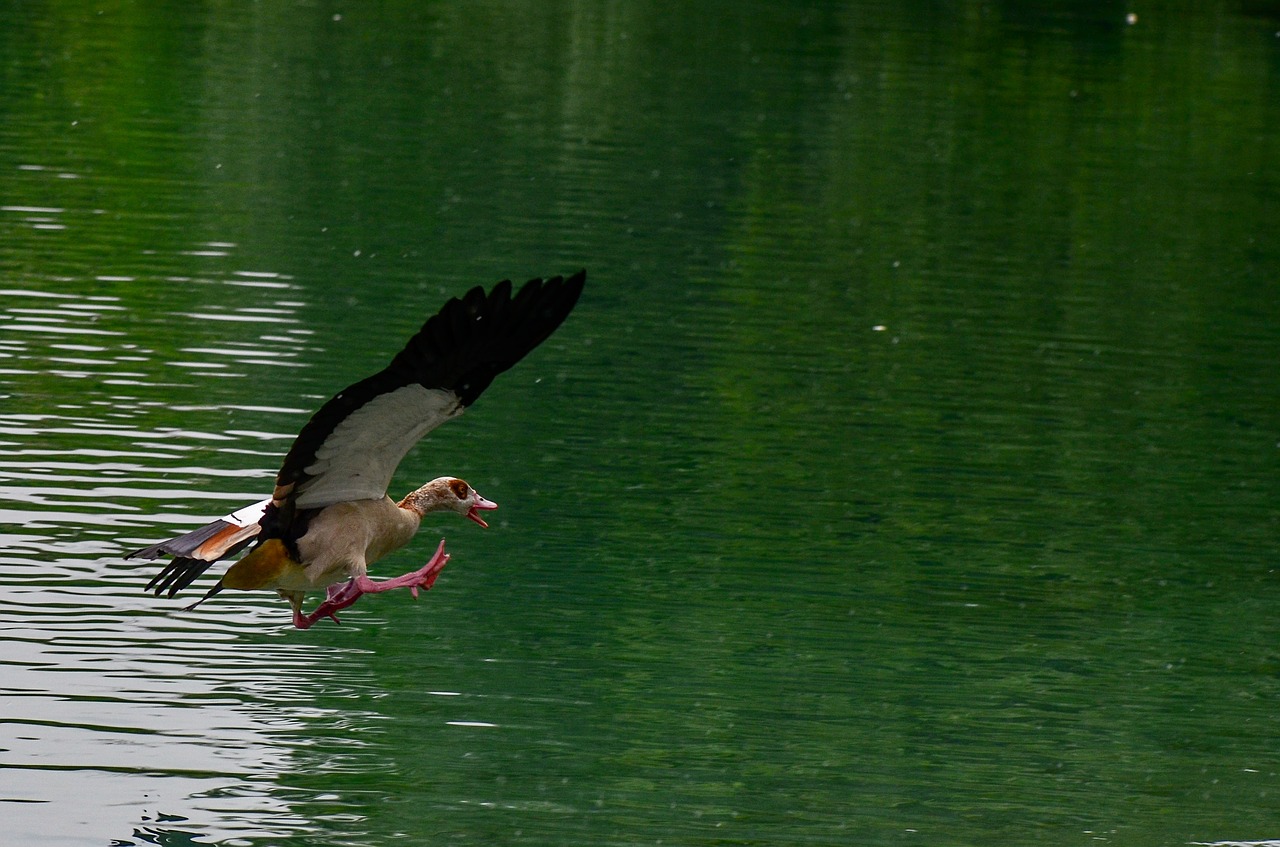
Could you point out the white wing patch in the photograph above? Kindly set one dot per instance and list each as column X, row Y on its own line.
column 358, row 458
column 249, row 515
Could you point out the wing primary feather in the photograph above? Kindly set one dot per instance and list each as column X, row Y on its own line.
column 456, row 354
column 183, row 544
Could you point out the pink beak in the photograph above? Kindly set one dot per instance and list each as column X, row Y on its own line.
column 480, row 504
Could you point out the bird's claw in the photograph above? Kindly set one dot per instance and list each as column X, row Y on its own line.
column 430, row 572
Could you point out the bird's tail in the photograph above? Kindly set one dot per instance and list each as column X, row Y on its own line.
column 195, row 551
column 212, row 591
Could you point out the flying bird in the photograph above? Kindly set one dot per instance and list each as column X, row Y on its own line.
column 329, row 517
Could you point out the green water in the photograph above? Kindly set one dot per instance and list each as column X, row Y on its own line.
column 908, row 473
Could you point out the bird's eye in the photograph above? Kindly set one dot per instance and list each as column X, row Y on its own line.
column 459, row 489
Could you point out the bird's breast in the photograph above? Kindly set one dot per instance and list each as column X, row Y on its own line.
column 354, row 535
column 268, row 566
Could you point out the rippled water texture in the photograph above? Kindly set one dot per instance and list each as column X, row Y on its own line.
column 906, row 475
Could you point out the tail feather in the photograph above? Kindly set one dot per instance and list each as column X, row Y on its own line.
column 184, row 570
column 197, row 550
column 211, row 592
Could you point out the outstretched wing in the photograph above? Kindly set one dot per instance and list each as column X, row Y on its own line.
column 350, row 449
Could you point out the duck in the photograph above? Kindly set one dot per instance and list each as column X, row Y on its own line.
column 329, row 516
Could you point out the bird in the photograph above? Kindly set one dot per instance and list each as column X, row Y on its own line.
column 329, row 517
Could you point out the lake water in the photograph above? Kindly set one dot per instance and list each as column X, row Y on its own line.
column 908, row 474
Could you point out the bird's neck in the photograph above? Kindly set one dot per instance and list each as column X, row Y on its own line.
column 418, row 503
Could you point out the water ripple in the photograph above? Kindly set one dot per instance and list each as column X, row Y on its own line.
column 99, row 678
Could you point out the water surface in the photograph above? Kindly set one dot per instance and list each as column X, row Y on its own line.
column 906, row 475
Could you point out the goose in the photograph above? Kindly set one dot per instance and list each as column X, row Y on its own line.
column 329, row 517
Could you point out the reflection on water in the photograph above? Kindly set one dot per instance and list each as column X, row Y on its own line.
column 185, row 728
column 98, row 680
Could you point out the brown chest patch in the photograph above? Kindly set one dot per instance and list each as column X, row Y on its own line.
column 262, row 568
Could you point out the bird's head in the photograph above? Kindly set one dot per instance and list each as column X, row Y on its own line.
column 451, row 493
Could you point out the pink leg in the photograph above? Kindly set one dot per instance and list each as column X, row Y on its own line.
column 424, row 577
column 340, row 597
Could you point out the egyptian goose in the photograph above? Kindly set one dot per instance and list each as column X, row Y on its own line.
column 329, row 517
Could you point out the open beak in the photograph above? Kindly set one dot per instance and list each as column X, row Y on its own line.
column 481, row 504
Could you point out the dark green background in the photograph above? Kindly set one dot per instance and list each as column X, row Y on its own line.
column 906, row 475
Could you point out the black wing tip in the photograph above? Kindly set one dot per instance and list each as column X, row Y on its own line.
column 475, row 337
column 461, row 349
column 563, row 293
column 518, row 323
column 552, row 298
column 576, row 280
column 565, row 290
